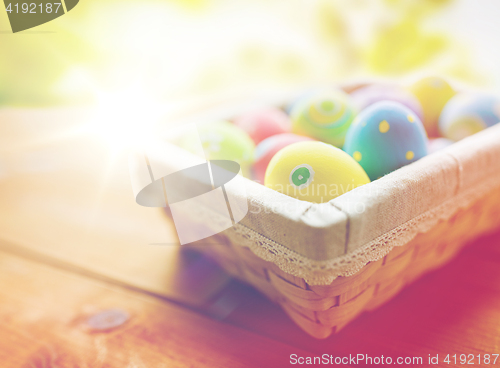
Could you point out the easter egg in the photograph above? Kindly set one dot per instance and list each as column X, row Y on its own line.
column 384, row 137
column 366, row 96
column 325, row 116
column 264, row 123
column 266, row 149
column 224, row 141
column 433, row 93
column 468, row 113
column 437, row 144
column 299, row 98
column 314, row 171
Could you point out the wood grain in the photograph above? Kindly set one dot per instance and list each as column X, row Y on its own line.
column 44, row 316
column 66, row 198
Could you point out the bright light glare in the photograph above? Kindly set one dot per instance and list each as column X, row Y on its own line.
column 125, row 119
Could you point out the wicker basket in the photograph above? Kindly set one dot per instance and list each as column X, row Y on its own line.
column 321, row 310
column 327, row 263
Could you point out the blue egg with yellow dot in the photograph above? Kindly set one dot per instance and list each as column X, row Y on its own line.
column 384, row 137
column 468, row 113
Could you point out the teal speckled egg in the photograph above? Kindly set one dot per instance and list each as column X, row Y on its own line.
column 468, row 113
column 384, row 137
column 324, row 115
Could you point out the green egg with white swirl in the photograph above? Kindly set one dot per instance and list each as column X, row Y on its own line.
column 324, row 115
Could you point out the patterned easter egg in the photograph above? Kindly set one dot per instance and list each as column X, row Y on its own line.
column 264, row 123
column 468, row 113
column 224, row 141
column 299, row 98
column 324, row 115
column 437, row 144
column 366, row 96
column 384, row 137
column 433, row 93
column 266, row 149
column 314, row 171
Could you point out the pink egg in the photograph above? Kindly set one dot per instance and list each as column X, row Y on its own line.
column 366, row 96
column 437, row 144
column 268, row 148
column 264, row 123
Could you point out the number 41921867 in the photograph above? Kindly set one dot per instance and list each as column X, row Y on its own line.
column 34, row 8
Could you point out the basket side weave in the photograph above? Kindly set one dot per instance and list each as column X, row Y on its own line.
column 321, row 310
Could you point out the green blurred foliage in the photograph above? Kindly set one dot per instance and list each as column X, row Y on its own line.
column 330, row 22
column 405, row 44
column 403, row 47
column 180, row 48
column 32, row 60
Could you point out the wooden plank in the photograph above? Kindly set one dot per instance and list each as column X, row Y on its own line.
column 67, row 198
column 52, row 318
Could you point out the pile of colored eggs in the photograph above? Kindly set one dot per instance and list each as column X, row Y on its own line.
column 328, row 142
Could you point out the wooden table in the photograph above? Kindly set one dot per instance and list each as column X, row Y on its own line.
column 82, row 286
